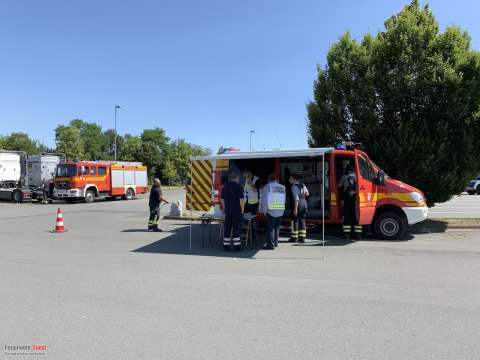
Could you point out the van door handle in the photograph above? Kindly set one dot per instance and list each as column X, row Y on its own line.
column 362, row 187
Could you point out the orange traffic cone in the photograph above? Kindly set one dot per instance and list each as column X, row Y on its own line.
column 59, row 227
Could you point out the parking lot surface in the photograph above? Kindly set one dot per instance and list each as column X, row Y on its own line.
column 107, row 289
column 462, row 206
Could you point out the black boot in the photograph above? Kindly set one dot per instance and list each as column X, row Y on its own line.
column 346, row 236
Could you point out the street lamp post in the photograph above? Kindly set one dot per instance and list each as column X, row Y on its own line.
column 115, row 138
column 251, row 133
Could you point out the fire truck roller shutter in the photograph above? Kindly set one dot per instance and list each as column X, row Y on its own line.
column 117, row 181
column 141, row 177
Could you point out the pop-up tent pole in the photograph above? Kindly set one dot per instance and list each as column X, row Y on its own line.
column 191, row 206
column 323, row 204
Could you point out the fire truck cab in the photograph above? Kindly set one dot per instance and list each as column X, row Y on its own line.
column 386, row 204
column 88, row 180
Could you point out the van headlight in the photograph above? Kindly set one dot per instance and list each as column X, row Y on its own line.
column 417, row 197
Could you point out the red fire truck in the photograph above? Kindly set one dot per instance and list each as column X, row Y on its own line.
column 88, row 180
column 386, row 204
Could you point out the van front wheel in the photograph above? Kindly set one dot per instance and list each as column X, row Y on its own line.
column 389, row 226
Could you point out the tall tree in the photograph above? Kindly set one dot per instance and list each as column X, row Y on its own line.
column 181, row 153
column 69, row 143
column 155, row 149
column 94, row 140
column 169, row 171
column 19, row 141
column 109, row 145
column 132, row 148
column 410, row 95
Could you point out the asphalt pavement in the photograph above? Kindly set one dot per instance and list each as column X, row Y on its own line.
column 107, row 289
column 461, row 206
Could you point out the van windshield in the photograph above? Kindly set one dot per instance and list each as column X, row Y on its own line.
column 66, row 170
column 377, row 169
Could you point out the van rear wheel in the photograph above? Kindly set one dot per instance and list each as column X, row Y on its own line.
column 390, row 226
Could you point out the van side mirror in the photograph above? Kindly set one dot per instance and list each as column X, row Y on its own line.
column 380, row 178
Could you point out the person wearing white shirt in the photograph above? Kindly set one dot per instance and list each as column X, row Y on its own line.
column 272, row 205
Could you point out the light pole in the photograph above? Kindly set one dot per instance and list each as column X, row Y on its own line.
column 115, row 138
column 251, row 133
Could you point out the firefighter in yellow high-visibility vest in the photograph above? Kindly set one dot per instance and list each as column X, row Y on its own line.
column 250, row 191
column 252, row 198
column 273, row 206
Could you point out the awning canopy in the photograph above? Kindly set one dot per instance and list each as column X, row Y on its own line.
column 267, row 154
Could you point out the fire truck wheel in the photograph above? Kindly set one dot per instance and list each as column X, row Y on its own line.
column 89, row 196
column 17, row 196
column 129, row 194
column 389, row 226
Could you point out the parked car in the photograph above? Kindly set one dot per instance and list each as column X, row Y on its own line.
column 474, row 186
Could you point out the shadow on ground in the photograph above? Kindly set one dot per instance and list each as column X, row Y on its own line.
column 205, row 240
column 429, row 227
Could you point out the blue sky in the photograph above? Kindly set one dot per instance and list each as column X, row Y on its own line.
column 207, row 71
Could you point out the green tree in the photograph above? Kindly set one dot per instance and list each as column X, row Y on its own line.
column 169, row 171
column 181, row 153
column 155, row 149
column 19, row 141
column 109, row 144
column 132, row 148
column 410, row 95
column 94, row 140
column 69, row 143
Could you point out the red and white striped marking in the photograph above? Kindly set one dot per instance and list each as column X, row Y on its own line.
column 59, row 227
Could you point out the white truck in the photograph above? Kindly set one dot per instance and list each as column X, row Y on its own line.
column 41, row 169
column 12, row 176
column 22, row 176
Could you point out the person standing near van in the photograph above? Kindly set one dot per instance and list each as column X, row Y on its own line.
column 45, row 188
column 250, row 190
column 348, row 187
column 233, row 203
column 299, row 209
column 273, row 205
column 155, row 199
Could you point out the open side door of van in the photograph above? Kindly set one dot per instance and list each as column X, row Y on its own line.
column 366, row 189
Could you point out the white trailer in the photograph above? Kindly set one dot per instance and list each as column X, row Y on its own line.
column 41, row 169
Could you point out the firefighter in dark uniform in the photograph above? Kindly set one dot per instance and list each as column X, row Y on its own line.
column 45, row 188
column 299, row 209
column 154, row 202
column 348, row 187
column 233, row 203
